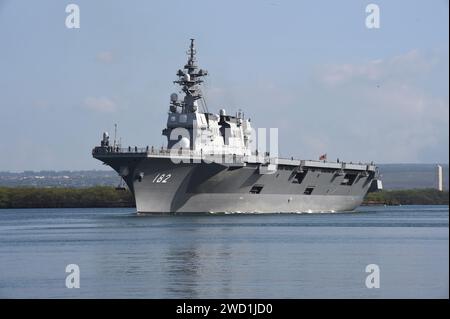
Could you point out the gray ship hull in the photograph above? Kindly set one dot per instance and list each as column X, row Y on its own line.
column 244, row 203
column 161, row 186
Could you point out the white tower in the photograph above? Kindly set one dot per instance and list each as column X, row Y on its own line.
column 439, row 178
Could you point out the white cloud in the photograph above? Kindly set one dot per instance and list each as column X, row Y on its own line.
column 401, row 67
column 401, row 123
column 387, row 109
column 100, row 104
column 105, row 57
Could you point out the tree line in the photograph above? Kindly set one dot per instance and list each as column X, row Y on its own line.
column 33, row 197
column 428, row 196
column 106, row 196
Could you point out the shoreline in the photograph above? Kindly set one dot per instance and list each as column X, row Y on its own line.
column 425, row 196
column 109, row 197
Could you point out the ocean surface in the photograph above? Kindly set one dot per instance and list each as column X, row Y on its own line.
column 123, row 255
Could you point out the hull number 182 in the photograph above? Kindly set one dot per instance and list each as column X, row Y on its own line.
column 162, row 178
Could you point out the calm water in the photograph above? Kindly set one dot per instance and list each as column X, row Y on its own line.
column 121, row 254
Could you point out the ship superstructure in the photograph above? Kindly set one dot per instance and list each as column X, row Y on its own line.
column 191, row 127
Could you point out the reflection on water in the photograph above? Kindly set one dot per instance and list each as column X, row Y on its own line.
column 183, row 265
column 121, row 254
column 191, row 264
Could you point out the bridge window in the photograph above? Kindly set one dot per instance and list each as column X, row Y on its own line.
column 299, row 177
column 308, row 190
column 256, row 189
column 349, row 179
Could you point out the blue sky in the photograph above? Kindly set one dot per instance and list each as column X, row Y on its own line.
column 310, row 68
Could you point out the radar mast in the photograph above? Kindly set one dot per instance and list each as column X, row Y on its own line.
column 189, row 80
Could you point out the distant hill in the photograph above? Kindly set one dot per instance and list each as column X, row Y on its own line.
column 394, row 176
column 407, row 176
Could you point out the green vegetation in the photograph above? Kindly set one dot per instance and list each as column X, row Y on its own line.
column 105, row 196
column 426, row 196
column 30, row 197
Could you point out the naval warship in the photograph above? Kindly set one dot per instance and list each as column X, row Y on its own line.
column 210, row 165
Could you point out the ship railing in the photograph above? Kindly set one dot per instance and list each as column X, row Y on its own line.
column 226, row 157
column 129, row 150
column 150, row 150
column 119, row 150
